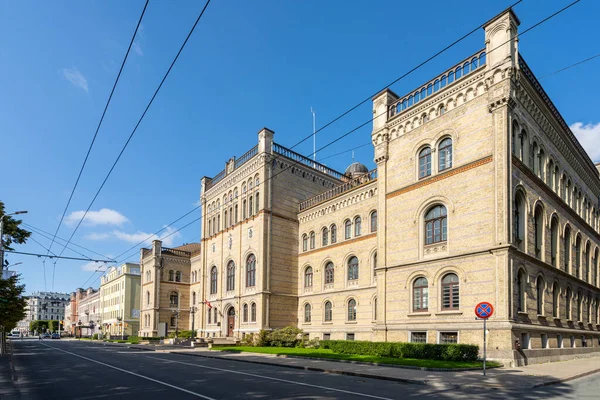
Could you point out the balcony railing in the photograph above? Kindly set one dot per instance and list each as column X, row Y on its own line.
column 180, row 253
column 336, row 191
column 459, row 71
column 238, row 162
column 284, row 151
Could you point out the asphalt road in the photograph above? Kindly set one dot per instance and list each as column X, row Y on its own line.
column 60, row 369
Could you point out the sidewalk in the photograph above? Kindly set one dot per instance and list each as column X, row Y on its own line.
column 7, row 386
column 531, row 376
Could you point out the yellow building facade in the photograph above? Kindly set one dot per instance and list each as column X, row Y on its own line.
column 480, row 193
column 120, row 300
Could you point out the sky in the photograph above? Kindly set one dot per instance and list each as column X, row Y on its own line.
column 248, row 65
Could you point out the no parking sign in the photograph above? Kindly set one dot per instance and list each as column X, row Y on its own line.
column 484, row 310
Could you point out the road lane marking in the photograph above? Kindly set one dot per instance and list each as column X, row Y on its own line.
column 132, row 373
column 273, row 379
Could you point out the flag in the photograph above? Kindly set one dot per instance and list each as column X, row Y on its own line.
column 207, row 303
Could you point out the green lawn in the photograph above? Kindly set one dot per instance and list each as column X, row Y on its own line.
column 327, row 353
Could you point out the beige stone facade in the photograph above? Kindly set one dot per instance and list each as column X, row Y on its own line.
column 481, row 193
column 120, row 300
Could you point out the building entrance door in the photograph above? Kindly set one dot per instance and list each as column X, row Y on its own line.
column 230, row 321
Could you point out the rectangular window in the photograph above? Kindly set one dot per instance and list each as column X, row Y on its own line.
column 525, row 341
column 559, row 341
column 544, row 341
column 448, row 337
column 349, row 336
column 418, row 337
column 327, row 336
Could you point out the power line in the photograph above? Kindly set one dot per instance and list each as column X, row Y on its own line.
column 97, row 130
column 49, row 251
column 47, row 234
column 570, row 66
column 139, row 122
column 56, row 257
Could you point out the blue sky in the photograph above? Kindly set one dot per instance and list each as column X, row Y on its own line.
column 248, row 65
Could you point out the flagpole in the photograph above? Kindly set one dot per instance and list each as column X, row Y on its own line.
column 314, row 136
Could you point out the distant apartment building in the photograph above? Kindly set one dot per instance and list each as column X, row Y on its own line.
column 44, row 306
column 120, row 300
column 89, row 312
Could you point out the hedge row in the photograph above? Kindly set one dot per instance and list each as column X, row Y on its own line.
column 447, row 352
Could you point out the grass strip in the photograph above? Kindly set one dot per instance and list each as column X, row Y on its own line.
column 329, row 354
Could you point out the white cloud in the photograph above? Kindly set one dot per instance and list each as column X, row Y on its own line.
column 137, row 236
column 75, row 77
column 97, row 236
column 92, row 266
column 103, row 216
column 589, row 137
column 137, row 48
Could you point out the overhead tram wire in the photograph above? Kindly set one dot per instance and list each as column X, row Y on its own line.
column 55, row 257
column 98, row 129
column 570, row 66
column 294, row 162
column 47, row 235
column 47, row 249
column 139, row 122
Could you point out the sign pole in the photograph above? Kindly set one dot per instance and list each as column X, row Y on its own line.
column 484, row 355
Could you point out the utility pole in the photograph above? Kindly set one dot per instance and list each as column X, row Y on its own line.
column 193, row 312
column 314, row 135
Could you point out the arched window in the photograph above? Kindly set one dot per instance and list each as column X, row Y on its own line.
column 351, row 310
column 436, row 225
column 231, row 275
column 450, row 292
column 147, row 298
column 216, row 314
column 178, row 276
column 586, row 262
column 218, row 222
column 458, row 72
column 324, row 236
column 245, row 312
column 519, row 222
column 256, row 203
column 374, row 264
column 588, row 303
column 420, row 294
column 225, row 219
column 524, row 155
column 250, row 270
column 554, row 242
column 595, row 268
column 567, row 248
column 329, row 273
column 425, row 162
column 328, row 311
column 374, row 221
column 333, row 230
column 253, row 312
column 579, row 306
column 171, row 275
column 307, row 311
column 308, row 277
column 577, row 257
column 348, row 229
column 555, row 295
column 193, row 297
column 352, row 268
column 244, row 209
column 312, row 240
column 541, row 160
column 532, row 161
column 473, row 63
column 538, row 230
column 357, row 226
column 568, row 303
column 213, row 280
column 304, row 242
column 450, row 77
column 174, row 300
column 445, row 154
column 521, row 281
column 250, row 208
column 539, row 287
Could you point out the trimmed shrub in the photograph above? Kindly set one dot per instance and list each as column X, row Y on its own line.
column 263, row 339
column 425, row 351
column 290, row 336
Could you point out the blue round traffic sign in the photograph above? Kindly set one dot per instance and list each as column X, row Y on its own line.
column 484, row 310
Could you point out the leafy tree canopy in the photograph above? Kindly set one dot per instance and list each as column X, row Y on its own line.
column 12, row 232
column 12, row 302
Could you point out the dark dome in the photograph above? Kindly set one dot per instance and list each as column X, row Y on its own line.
column 356, row 168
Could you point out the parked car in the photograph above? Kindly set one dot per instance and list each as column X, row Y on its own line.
column 55, row 336
column 46, row 336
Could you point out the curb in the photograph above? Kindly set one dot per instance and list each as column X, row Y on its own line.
column 316, row 369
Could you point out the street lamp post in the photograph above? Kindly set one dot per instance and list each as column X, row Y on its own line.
column 80, row 323
column 2, row 236
column 176, row 315
column 193, row 312
column 119, row 318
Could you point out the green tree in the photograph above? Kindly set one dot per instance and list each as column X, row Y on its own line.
column 12, row 232
column 12, row 307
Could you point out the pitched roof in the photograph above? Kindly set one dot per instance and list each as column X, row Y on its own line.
column 190, row 247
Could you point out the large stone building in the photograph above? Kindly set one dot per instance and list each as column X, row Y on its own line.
column 120, row 300
column 481, row 192
column 44, row 306
column 90, row 312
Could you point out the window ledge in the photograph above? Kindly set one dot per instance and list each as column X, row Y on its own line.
column 523, row 313
column 556, row 318
column 351, row 322
column 327, row 322
column 569, row 321
column 449, row 312
column 419, row 314
column 541, row 316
